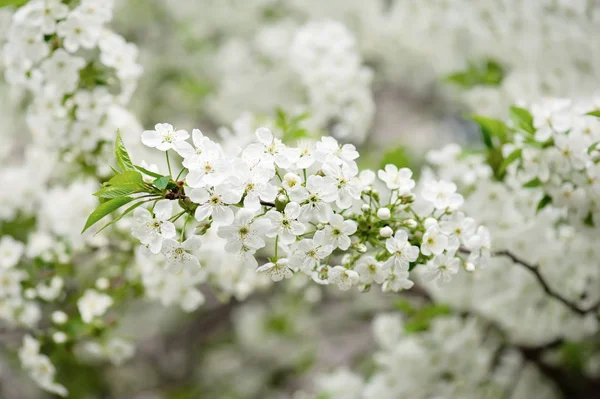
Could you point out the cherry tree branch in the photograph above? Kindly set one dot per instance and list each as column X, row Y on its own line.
column 534, row 270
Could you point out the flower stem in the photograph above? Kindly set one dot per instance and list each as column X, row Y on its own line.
column 169, row 163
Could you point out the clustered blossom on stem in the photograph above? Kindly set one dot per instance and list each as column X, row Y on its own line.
column 79, row 72
column 454, row 357
column 282, row 215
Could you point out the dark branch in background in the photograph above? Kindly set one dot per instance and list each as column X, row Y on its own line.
column 534, row 269
column 269, row 204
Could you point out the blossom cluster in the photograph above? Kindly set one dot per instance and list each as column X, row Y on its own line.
column 78, row 71
column 307, row 210
column 454, row 357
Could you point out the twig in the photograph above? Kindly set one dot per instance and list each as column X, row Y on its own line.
column 534, row 269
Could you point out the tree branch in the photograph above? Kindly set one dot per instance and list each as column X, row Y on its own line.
column 269, row 204
column 534, row 269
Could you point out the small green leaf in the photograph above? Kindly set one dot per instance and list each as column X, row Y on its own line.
column 398, row 156
column 162, row 182
column 522, row 119
column 544, row 202
column 533, row 183
column 148, row 172
column 128, row 177
column 491, row 128
column 589, row 220
column 486, row 73
column 512, row 157
column 121, row 154
column 128, row 210
column 16, row 3
column 105, row 209
column 592, row 147
column 119, row 191
column 594, row 113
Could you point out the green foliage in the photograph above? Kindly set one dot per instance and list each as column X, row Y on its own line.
column 522, row 120
column 486, row 73
column 533, row 183
column 104, row 209
column 589, row 220
column 512, row 157
column 419, row 319
column 291, row 127
column 16, row 3
column 162, row 182
column 594, row 113
column 121, row 155
column 544, row 202
column 397, row 156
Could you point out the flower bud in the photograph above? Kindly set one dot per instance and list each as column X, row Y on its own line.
column 365, row 208
column 410, row 223
column 384, row 213
column 282, row 198
column 470, row 267
column 386, row 232
column 361, row 248
column 59, row 337
column 59, row 317
column 30, row 293
column 102, row 283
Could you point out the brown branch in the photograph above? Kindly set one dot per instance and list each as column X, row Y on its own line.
column 534, row 269
column 269, row 204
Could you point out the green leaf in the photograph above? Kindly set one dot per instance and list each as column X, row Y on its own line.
column 105, row 209
column 592, row 147
column 119, row 191
column 128, row 177
column 512, row 157
column 589, row 220
column 522, row 119
column 491, row 128
column 486, row 73
column 533, row 183
column 398, row 156
column 594, row 113
column 16, row 3
column 148, row 172
column 128, row 210
column 544, row 202
column 162, row 182
column 121, row 154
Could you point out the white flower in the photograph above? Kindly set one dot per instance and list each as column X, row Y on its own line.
column 309, row 252
column 434, row 242
column 347, row 184
column 11, row 251
column 337, row 231
column 52, row 291
column 149, row 167
column 119, row 351
column 270, row 150
column 370, row 270
column 216, row 203
column 307, row 150
column 291, row 181
column 458, row 225
column 77, row 31
column 442, row 195
column 151, row 230
column 278, row 270
column 193, row 157
column 178, row 256
column 397, row 281
column 395, row 179
column 285, row 224
column 328, row 150
column 402, row 252
column 45, row 14
column 441, row 268
column 164, row 137
column 93, row 304
column 59, row 317
column 255, row 186
column 59, row 337
column 480, row 246
column 344, row 278
column 315, row 198
column 245, row 234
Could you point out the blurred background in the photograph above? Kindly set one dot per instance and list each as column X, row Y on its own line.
column 397, row 78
